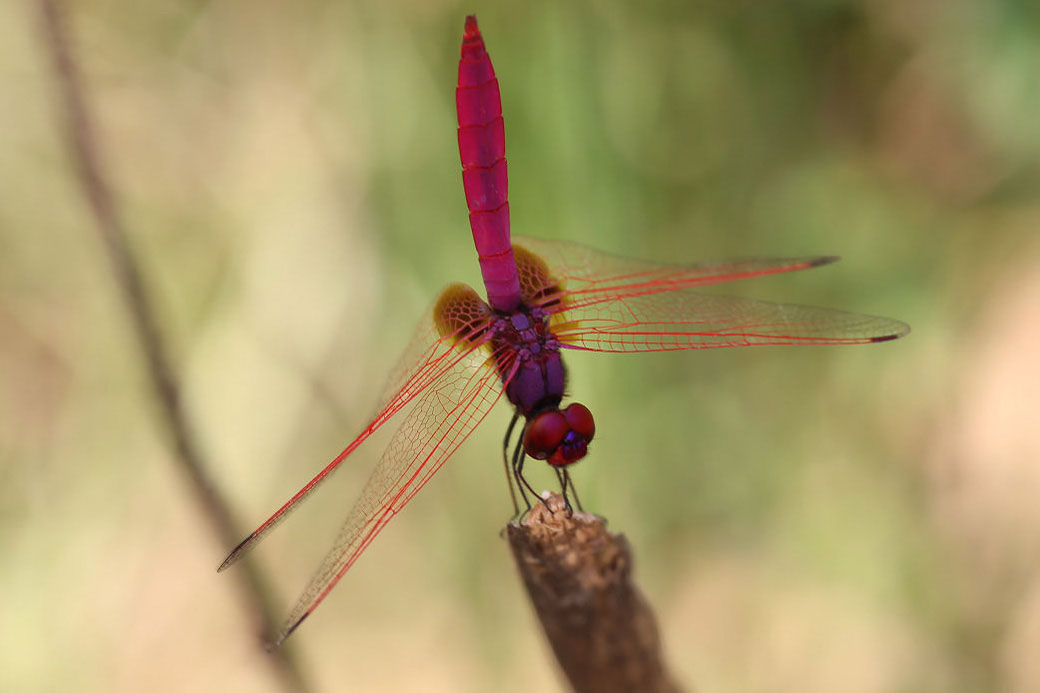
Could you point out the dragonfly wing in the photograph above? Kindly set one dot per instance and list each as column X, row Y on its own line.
column 688, row 320
column 603, row 302
column 589, row 276
column 442, row 418
column 429, row 357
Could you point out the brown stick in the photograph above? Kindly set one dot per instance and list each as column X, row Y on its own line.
column 578, row 576
column 86, row 157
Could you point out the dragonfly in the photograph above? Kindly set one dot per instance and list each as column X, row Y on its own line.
column 543, row 298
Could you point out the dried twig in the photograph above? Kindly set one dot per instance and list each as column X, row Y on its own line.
column 578, row 576
column 88, row 162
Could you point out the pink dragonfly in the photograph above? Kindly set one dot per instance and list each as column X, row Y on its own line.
column 542, row 298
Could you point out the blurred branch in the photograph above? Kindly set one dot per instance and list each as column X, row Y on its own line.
column 579, row 578
column 88, row 162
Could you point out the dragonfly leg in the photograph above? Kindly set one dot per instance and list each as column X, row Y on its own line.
column 518, row 465
column 564, row 479
column 568, row 481
column 505, row 463
column 520, row 475
column 519, row 456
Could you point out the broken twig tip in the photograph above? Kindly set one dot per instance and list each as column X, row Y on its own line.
column 578, row 576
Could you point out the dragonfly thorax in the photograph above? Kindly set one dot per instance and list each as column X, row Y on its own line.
column 528, row 359
column 526, row 332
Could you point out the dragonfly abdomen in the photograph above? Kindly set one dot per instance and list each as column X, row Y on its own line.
column 482, row 148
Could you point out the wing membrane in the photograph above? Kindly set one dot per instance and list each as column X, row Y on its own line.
column 427, row 360
column 687, row 320
column 603, row 302
column 443, row 417
column 589, row 276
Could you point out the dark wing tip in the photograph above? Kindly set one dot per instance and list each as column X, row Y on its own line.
column 899, row 329
column 823, row 260
column 272, row 646
column 236, row 553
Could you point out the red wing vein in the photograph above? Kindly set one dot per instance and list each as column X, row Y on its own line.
column 686, row 320
column 441, row 355
column 442, row 418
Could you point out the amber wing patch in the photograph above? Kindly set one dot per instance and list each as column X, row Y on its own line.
column 537, row 284
column 461, row 314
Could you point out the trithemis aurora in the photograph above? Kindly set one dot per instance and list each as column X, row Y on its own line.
column 542, row 298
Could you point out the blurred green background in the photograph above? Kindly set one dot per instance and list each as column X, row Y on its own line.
column 832, row 519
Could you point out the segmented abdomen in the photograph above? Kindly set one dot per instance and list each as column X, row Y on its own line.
column 482, row 148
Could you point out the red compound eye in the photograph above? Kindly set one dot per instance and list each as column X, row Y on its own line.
column 544, row 434
column 580, row 420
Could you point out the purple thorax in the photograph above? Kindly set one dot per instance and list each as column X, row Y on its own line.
column 537, row 384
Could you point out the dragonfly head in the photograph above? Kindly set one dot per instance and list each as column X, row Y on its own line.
column 560, row 436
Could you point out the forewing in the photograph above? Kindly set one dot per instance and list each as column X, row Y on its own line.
column 589, row 277
column 443, row 416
